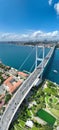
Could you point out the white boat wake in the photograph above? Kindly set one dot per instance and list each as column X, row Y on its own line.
column 55, row 71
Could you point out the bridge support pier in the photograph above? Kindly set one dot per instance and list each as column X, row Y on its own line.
column 40, row 59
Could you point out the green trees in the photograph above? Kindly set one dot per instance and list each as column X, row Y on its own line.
column 7, row 97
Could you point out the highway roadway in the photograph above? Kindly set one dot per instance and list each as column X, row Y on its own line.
column 21, row 93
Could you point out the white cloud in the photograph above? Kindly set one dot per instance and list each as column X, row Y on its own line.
column 13, row 37
column 40, row 35
column 36, row 35
column 56, row 7
column 50, row 2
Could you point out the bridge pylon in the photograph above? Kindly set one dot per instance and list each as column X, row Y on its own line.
column 40, row 59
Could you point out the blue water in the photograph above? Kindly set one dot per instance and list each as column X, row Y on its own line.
column 14, row 56
column 54, row 65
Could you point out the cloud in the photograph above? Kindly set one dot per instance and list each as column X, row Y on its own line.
column 36, row 35
column 56, row 7
column 13, row 37
column 40, row 35
column 50, row 2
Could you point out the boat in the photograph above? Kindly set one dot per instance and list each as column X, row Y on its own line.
column 55, row 71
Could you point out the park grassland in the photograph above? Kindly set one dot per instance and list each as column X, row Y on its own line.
column 46, row 116
column 55, row 112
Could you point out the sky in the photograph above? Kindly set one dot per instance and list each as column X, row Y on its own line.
column 29, row 19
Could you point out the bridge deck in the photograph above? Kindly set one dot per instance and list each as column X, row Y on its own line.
column 21, row 93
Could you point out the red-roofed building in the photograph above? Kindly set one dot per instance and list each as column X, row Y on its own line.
column 11, row 84
column 22, row 74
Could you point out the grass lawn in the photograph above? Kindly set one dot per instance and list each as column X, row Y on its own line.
column 16, row 127
column 35, row 128
column 55, row 112
column 46, row 116
column 47, row 98
column 54, row 100
column 45, row 128
column 21, row 123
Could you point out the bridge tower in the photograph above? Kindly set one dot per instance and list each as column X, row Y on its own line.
column 40, row 59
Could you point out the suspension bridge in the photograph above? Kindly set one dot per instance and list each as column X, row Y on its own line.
column 21, row 93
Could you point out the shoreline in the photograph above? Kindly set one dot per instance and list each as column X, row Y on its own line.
column 33, row 44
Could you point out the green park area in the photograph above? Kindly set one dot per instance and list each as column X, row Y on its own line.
column 41, row 106
column 46, row 116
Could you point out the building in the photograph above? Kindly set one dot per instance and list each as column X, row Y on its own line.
column 22, row 74
column 29, row 123
column 11, row 84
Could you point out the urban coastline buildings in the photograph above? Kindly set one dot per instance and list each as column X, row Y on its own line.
column 10, row 80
